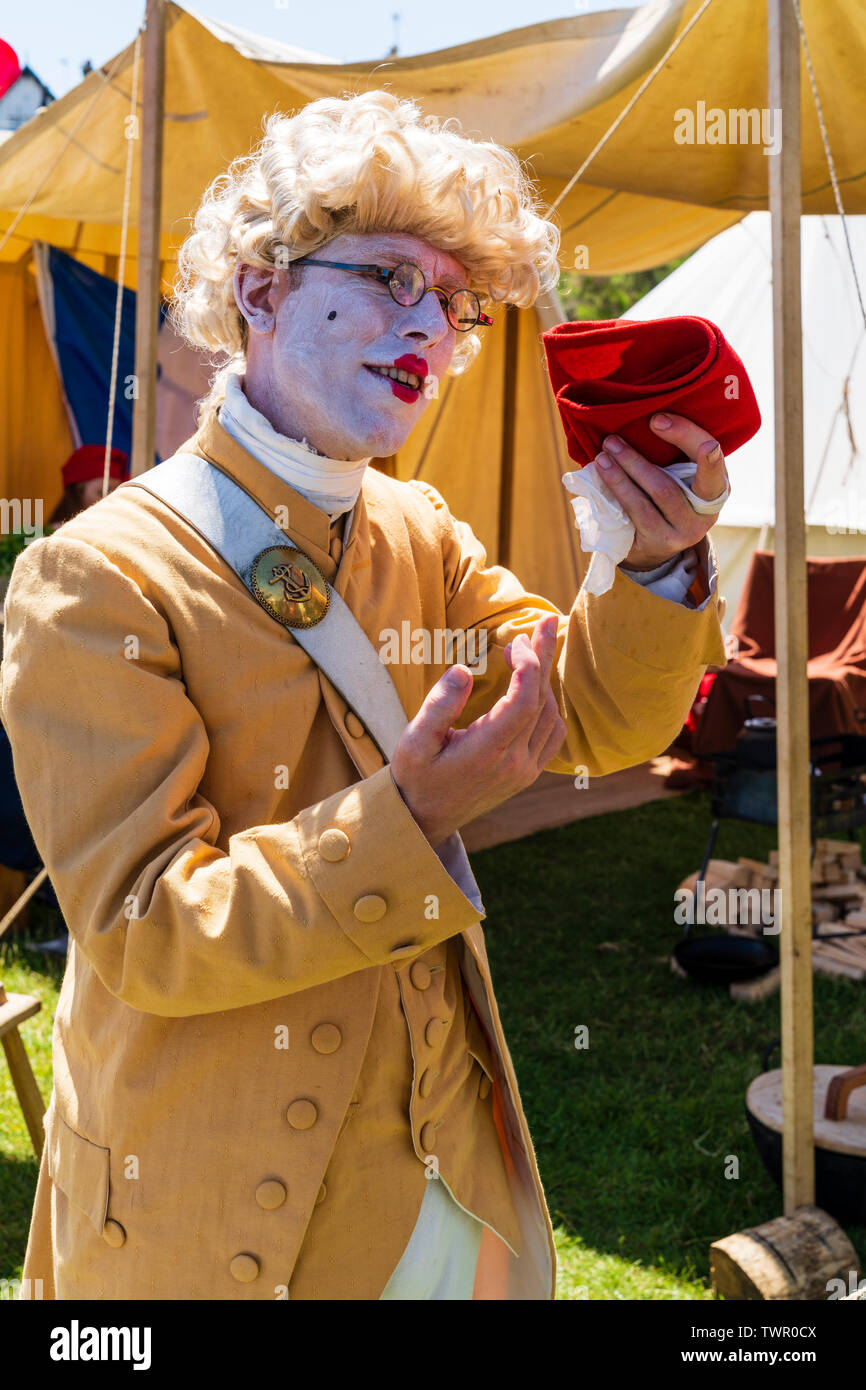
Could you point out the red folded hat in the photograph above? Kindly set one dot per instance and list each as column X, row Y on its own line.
column 611, row 377
column 89, row 462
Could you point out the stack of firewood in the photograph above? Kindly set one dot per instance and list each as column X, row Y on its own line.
column 839, row 909
column 838, row 902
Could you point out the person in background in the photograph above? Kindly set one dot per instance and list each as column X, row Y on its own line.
column 83, row 473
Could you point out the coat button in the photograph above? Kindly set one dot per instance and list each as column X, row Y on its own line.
column 326, row 1038
column 428, row 1137
column 334, row 845
column 434, row 1032
column 244, row 1268
column 425, row 1085
column 370, row 908
column 270, row 1194
column 113, row 1234
column 409, row 948
column 420, row 975
column 354, row 727
column 484, row 1086
column 302, row 1114
column 320, row 1195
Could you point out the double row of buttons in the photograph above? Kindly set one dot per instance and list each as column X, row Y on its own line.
column 301, row 1114
column 420, row 976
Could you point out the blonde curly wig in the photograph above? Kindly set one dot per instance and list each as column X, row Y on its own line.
column 361, row 163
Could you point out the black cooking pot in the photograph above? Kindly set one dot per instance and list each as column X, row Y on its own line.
column 756, row 741
column 840, row 1135
column 724, row 960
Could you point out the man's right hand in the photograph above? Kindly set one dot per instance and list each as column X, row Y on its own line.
column 449, row 776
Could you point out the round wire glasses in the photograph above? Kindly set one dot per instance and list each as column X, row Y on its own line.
column 408, row 285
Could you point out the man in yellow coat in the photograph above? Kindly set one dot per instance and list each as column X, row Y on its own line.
column 279, row 1070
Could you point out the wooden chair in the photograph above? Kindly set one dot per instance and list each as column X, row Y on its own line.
column 14, row 1009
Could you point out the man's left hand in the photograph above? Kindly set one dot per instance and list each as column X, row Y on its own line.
column 664, row 521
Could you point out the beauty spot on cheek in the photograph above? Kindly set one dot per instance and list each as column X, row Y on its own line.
column 333, row 314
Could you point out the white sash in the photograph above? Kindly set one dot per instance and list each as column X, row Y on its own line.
column 238, row 528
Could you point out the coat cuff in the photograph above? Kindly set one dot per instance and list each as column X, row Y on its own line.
column 660, row 634
column 688, row 578
column 378, row 875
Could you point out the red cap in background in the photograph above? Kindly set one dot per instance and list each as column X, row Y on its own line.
column 89, row 462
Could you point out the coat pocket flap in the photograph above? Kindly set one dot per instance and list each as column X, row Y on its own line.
column 78, row 1168
column 476, row 1042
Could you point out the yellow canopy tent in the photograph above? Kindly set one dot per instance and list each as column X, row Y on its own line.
column 551, row 91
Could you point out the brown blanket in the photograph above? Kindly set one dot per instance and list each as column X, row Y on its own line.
column 837, row 654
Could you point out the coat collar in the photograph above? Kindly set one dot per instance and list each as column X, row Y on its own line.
column 307, row 525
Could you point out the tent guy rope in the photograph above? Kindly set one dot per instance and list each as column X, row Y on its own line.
column 628, row 108
column 825, row 139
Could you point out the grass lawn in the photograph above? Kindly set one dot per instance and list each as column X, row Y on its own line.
column 25, row 972
column 634, row 1132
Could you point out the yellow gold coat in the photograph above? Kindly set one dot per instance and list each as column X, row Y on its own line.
column 183, row 766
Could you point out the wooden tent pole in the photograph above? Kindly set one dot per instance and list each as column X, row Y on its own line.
column 149, row 239
column 509, row 422
column 792, row 690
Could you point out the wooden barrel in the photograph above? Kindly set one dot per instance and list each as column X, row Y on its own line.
column 840, row 1144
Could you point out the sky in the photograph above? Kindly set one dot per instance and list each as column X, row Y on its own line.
column 55, row 37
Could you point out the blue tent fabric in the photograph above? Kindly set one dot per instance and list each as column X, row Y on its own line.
column 84, row 310
column 17, row 850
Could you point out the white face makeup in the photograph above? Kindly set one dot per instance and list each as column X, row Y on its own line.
column 312, row 351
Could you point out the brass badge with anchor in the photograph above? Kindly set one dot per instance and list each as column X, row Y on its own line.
column 287, row 583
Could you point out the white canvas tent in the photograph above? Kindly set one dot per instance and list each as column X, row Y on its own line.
column 729, row 281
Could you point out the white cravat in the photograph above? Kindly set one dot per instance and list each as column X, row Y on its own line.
column 332, row 485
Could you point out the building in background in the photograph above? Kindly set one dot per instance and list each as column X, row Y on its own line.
column 22, row 93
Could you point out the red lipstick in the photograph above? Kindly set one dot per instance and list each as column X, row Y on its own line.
column 408, row 363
